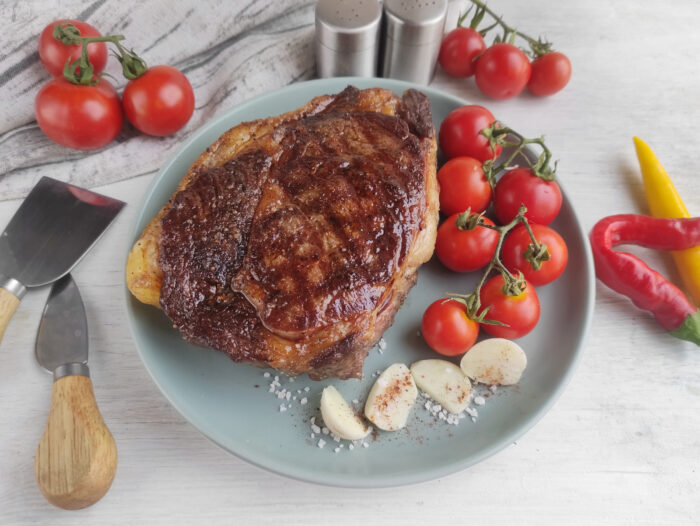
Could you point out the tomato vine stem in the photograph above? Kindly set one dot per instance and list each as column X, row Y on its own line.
column 538, row 47
column 513, row 285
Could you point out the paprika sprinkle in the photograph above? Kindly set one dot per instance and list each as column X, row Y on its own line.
column 629, row 275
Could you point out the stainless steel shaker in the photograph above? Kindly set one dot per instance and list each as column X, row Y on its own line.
column 347, row 37
column 412, row 36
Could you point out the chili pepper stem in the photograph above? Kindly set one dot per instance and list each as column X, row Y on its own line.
column 689, row 330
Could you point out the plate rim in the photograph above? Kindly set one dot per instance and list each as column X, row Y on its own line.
column 380, row 481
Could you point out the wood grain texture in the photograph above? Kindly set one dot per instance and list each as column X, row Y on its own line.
column 76, row 458
column 8, row 306
column 620, row 446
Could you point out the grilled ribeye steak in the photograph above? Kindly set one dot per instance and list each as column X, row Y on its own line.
column 292, row 241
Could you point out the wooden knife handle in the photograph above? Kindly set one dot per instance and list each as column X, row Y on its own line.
column 8, row 306
column 76, row 459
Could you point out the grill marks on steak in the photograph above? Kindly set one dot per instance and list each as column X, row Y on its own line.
column 305, row 232
column 336, row 217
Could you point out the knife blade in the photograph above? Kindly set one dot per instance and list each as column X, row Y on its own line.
column 63, row 333
column 51, row 231
column 76, row 458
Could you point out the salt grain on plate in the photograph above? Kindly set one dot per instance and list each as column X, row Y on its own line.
column 266, row 375
column 303, row 401
column 282, row 408
column 324, row 430
column 321, row 443
column 479, row 400
column 336, row 450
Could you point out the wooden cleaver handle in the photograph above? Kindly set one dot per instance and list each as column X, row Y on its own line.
column 8, row 306
column 76, row 459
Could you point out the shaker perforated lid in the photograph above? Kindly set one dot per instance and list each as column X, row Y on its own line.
column 415, row 22
column 348, row 25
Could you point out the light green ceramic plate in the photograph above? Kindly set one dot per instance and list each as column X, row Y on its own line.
column 230, row 403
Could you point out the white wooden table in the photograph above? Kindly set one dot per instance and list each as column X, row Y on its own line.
column 622, row 445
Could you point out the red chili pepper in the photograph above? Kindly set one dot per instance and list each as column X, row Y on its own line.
column 629, row 275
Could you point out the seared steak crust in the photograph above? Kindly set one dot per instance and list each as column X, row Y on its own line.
column 295, row 252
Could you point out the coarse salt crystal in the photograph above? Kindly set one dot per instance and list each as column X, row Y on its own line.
column 321, row 443
column 479, row 400
column 315, row 428
column 266, row 375
column 282, row 408
column 324, row 430
column 351, row 447
column 355, row 401
column 313, row 420
column 303, row 401
column 307, row 389
column 336, row 450
column 382, row 344
column 365, row 444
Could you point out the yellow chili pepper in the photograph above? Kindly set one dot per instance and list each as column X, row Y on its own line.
column 664, row 201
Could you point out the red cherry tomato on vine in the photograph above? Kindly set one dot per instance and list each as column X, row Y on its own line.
column 520, row 186
column 463, row 185
column 460, row 134
column 518, row 242
column 502, row 71
column 159, row 102
column 550, row 73
column 520, row 313
column 81, row 117
column 447, row 328
column 54, row 53
column 465, row 250
column 458, row 51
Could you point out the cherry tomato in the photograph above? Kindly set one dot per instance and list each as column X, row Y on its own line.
column 520, row 186
column 160, row 101
column 502, row 71
column 463, row 185
column 517, row 243
column 458, row 51
column 54, row 53
column 550, row 73
column 460, row 134
column 465, row 250
column 447, row 328
column 520, row 313
column 81, row 117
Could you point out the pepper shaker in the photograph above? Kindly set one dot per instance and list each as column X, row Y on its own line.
column 412, row 38
column 347, row 37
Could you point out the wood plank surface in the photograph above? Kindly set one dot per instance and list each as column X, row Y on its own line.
column 621, row 446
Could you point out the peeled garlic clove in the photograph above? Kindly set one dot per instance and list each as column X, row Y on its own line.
column 495, row 361
column 391, row 398
column 339, row 417
column 444, row 382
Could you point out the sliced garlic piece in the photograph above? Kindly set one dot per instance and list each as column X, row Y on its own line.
column 444, row 382
column 495, row 361
column 391, row 398
column 339, row 417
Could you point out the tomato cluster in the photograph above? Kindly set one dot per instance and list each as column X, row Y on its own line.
column 82, row 110
column 503, row 70
column 469, row 241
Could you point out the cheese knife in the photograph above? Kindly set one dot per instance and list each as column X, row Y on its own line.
column 50, row 232
column 76, row 459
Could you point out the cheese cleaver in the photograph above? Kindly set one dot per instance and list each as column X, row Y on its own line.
column 50, row 232
column 76, row 459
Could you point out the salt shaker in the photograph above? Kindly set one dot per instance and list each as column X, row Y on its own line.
column 347, row 37
column 412, row 37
